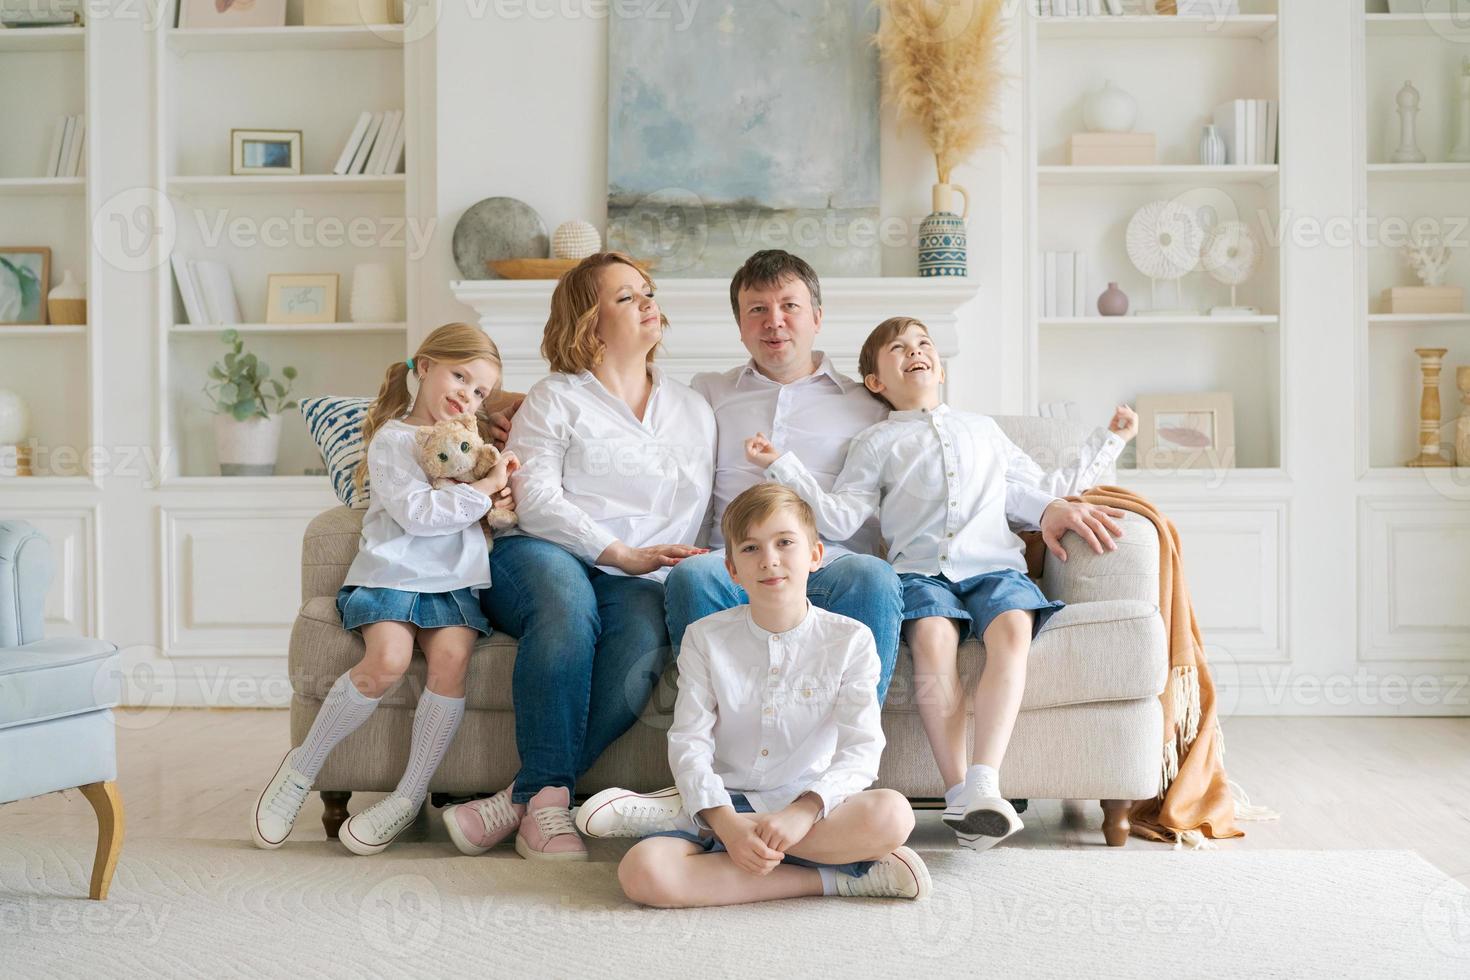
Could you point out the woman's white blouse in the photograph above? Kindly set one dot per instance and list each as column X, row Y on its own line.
column 414, row 537
column 592, row 473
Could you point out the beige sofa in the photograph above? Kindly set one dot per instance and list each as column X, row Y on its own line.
column 1091, row 727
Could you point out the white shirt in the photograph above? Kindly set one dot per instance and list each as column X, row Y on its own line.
column 591, row 473
column 414, row 537
column 943, row 484
column 813, row 417
column 775, row 715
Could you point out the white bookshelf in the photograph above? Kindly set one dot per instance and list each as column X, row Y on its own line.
column 263, row 225
column 1427, row 50
column 51, row 366
column 1095, row 361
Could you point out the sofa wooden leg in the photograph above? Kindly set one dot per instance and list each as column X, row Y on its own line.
column 107, row 803
column 334, row 810
column 1115, row 821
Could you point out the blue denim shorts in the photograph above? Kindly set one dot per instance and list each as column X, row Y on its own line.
column 713, row 845
column 359, row 605
column 975, row 601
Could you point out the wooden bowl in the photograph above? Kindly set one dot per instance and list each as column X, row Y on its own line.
column 531, row 268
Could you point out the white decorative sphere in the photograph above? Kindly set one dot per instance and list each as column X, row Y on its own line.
column 575, row 240
column 1109, row 110
column 15, row 418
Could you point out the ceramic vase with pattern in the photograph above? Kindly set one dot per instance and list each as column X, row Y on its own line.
column 943, row 247
column 1211, row 147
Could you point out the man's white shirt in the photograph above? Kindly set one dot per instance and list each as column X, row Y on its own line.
column 944, row 484
column 775, row 715
column 815, row 417
column 592, row 473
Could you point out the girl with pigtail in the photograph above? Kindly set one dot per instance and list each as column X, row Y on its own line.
column 420, row 565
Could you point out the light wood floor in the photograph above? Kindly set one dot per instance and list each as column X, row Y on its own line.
column 1338, row 783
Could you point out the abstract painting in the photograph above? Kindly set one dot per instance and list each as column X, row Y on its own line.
column 738, row 127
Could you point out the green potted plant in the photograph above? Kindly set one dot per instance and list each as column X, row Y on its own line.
column 248, row 403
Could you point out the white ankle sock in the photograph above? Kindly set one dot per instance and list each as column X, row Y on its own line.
column 344, row 710
column 953, row 794
column 982, row 780
column 829, row 881
column 434, row 724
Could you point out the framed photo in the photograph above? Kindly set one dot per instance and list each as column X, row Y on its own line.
column 1186, row 431
column 25, row 278
column 232, row 13
column 301, row 298
column 265, row 151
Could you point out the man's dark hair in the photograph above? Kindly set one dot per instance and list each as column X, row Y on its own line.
column 772, row 267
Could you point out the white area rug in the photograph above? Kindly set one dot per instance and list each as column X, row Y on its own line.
column 190, row 908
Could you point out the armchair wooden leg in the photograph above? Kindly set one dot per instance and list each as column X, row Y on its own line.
column 334, row 810
column 107, row 802
column 1115, row 821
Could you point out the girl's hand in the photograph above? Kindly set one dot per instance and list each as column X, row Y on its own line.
column 758, row 450
column 641, row 561
column 493, row 484
column 1124, row 423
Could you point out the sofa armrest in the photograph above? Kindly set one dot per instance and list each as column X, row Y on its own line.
column 327, row 550
column 1130, row 572
column 25, row 575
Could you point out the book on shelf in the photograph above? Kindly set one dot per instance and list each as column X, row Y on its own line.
column 207, row 290
column 58, row 140
column 79, row 137
column 360, row 158
column 1064, row 285
column 378, row 158
column 395, row 152
column 349, row 150
column 1099, row 8
column 188, row 290
column 1249, row 129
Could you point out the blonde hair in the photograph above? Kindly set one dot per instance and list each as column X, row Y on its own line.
column 759, row 503
column 453, row 343
column 880, row 338
column 570, row 343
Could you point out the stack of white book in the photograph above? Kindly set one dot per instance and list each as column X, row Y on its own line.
column 1096, row 8
column 207, row 290
column 375, row 146
column 1064, row 290
column 68, row 140
column 1248, row 127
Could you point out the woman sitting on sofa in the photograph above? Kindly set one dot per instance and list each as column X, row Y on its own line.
column 617, row 463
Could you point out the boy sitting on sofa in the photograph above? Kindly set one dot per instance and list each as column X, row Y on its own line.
column 946, row 485
column 775, row 739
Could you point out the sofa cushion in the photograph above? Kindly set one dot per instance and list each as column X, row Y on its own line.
column 55, row 678
column 1092, row 651
column 335, row 424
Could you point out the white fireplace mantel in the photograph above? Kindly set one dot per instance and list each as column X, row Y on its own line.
column 702, row 335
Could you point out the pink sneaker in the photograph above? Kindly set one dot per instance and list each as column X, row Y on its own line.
column 547, row 832
column 476, row 827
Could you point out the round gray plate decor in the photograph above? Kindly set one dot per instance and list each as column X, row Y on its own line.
column 498, row 228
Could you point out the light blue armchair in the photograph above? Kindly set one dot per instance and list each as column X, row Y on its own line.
column 56, row 696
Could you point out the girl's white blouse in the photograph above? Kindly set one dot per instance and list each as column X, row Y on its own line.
column 416, row 538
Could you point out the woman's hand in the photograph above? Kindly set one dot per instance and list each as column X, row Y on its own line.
column 1124, row 423
column 641, row 561
column 758, row 450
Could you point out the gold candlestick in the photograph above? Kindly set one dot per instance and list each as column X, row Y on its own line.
column 1431, row 360
column 1462, row 425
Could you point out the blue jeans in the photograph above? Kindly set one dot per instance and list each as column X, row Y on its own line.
column 859, row 586
column 592, row 647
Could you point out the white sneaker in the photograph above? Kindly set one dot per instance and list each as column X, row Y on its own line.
column 376, row 827
column 278, row 804
column 981, row 822
column 624, row 813
column 901, row 874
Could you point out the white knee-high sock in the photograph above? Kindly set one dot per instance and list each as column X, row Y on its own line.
column 344, row 710
column 434, row 724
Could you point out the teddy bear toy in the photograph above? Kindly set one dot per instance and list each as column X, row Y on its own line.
column 452, row 452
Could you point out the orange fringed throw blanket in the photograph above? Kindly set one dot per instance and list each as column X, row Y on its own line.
column 1195, row 802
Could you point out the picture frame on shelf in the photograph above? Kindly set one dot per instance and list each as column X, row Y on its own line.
column 265, row 152
column 25, row 279
column 231, row 14
column 1189, row 430
column 301, row 298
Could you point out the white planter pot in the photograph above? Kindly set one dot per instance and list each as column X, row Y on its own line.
column 247, row 448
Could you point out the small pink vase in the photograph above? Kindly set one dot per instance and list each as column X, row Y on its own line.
column 1113, row 301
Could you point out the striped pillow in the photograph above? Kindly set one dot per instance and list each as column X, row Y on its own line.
column 335, row 424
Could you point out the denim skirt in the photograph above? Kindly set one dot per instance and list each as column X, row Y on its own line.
column 359, row 605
